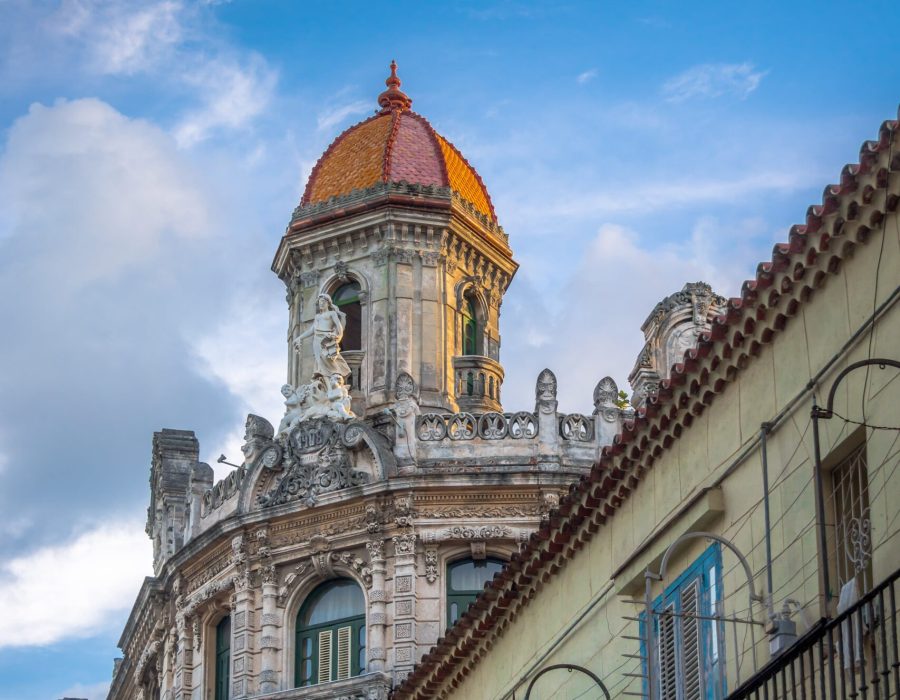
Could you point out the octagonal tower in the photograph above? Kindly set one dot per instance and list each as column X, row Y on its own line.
column 399, row 228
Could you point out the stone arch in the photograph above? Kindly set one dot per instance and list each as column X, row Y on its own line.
column 467, row 290
column 303, row 585
column 210, row 614
column 459, row 551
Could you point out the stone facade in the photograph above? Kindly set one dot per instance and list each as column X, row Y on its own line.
column 424, row 469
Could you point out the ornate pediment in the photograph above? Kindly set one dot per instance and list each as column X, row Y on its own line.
column 317, row 460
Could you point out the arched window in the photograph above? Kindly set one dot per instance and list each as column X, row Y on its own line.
column 346, row 298
column 465, row 582
column 331, row 634
column 471, row 343
column 223, row 658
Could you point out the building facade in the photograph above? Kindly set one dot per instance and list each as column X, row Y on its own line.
column 740, row 536
column 366, row 521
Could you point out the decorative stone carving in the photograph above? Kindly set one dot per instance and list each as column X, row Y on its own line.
column 405, row 386
column 341, row 270
column 289, row 579
column 309, row 279
column 405, row 544
column 606, row 393
column 376, row 550
column 545, row 392
column 318, row 462
column 431, row 564
column 462, row 532
column 576, row 427
column 258, row 444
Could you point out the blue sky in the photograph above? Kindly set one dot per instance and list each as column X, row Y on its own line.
column 151, row 154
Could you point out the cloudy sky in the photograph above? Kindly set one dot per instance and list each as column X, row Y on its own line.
column 151, row 154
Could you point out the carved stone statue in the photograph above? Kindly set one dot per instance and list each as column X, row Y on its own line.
column 326, row 396
column 327, row 330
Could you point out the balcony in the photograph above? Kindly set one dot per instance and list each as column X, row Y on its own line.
column 477, row 381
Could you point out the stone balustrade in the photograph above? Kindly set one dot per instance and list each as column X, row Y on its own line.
column 477, row 381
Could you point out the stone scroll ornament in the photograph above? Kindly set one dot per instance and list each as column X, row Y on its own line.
column 316, row 461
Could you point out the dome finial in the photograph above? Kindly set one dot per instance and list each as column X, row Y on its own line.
column 393, row 98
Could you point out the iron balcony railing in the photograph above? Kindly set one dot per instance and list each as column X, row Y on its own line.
column 853, row 656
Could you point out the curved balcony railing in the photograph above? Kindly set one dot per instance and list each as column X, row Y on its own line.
column 477, row 381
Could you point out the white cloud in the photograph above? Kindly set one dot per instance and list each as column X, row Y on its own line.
column 650, row 196
column 102, row 570
column 587, row 76
column 327, row 119
column 120, row 184
column 231, row 96
column 713, row 80
column 618, row 282
column 243, row 352
column 122, row 38
column 92, row 691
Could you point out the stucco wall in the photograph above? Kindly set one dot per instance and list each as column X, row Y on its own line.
column 656, row 513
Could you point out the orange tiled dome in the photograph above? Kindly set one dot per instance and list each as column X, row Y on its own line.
column 395, row 144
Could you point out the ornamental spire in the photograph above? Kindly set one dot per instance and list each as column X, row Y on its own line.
column 393, row 98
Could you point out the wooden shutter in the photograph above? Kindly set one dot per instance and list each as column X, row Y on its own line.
column 344, row 635
column 668, row 666
column 692, row 670
column 324, row 656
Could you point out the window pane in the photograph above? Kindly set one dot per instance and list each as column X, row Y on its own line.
column 471, row 575
column 334, row 600
column 346, row 298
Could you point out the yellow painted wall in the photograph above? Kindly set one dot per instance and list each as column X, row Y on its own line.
column 539, row 636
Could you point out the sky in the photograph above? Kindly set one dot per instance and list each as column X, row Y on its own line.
column 151, row 154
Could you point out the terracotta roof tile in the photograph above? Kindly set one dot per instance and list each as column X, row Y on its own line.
column 394, row 145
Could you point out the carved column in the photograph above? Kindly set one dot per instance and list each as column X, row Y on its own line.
column 241, row 621
column 184, row 659
column 377, row 605
column 404, row 589
column 269, row 666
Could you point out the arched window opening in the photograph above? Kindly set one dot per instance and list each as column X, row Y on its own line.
column 223, row 658
column 331, row 634
column 470, row 327
column 346, row 298
column 470, row 383
column 465, row 582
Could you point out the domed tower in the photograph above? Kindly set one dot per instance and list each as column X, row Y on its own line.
column 328, row 562
column 400, row 230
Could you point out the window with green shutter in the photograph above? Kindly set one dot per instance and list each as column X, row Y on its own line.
column 470, row 327
column 223, row 658
column 465, row 581
column 331, row 634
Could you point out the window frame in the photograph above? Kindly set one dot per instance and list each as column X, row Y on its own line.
column 354, row 300
column 704, row 573
column 222, row 659
column 468, row 596
column 358, row 641
column 471, row 326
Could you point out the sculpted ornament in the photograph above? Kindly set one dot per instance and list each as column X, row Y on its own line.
column 545, row 391
column 327, row 395
column 317, row 461
column 431, row 564
column 258, row 443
